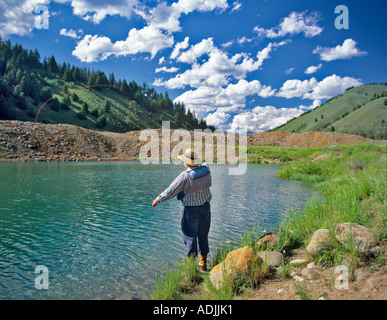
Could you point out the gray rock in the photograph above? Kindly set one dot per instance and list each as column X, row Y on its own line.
column 352, row 234
column 309, row 273
column 271, row 258
column 298, row 262
column 319, row 241
column 295, row 276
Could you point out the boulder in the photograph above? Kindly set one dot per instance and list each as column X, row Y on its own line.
column 271, row 258
column 238, row 264
column 319, row 241
column 268, row 239
column 309, row 273
column 354, row 234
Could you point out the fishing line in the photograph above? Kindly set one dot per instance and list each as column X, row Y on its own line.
column 85, row 157
column 161, row 188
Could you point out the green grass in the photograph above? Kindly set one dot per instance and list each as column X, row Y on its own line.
column 358, row 110
column 371, row 115
column 352, row 180
column 175, row 282
column 303, row 292
column 258, row 154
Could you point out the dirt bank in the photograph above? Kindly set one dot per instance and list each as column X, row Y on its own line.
column 27, row 141
column 302, row 140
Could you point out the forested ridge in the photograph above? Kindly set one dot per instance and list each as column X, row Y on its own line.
column 27, row 82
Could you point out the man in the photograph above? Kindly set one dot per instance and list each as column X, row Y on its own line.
column 192, row 187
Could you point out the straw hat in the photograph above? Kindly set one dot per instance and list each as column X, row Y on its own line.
column 190, row 157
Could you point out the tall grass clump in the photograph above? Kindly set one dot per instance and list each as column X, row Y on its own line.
column 258, row 154
column 353, row 183
column 176, row 282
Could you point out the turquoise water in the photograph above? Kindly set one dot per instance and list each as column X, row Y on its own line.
column 92, row 224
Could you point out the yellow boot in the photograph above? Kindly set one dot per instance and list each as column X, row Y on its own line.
column 191, row 258
column 203, row 263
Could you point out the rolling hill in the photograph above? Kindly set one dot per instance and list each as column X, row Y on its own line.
column 61, row 93
column 360, row 110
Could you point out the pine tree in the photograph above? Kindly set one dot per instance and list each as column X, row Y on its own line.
column 45, row 94
column 67, row 76
column 74, row 97
column 124, row 86
column 92, row 79
column 55, row 104
column 101, row 121
column 27, row 86
column 106, row 106
column 3, row 108
column 112, row 80
column 76, row 74
column 52, row 65
column 85, row 107
column 66, row 102
column 81, row 115
column 167, row 104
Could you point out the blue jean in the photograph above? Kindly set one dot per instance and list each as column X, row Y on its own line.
column 195, row 226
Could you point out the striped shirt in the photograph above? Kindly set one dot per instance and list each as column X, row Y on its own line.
column 178, row 185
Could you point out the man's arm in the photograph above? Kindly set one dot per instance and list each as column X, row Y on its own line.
column 177, row 186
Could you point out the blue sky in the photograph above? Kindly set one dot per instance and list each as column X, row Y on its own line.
column 236, row 63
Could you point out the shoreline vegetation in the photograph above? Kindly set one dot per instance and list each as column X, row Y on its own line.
column 352, row 179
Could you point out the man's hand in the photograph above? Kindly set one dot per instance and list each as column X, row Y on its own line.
column 154, row 204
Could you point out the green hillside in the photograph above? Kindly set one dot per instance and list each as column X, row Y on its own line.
column 26, row 83
column 360, row 110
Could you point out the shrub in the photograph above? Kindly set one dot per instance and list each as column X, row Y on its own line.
column 55, row 104
column 81, row 115
column 101, row 122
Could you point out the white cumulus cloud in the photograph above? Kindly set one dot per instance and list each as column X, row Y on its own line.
column 217, row 68
column 263, row 118
column 296, row 88
column 161, row 20
column 232, row 98
column 178, row 47
column 93, row 48
column 217, row 118
column 167, row 17
column 347, row 50
column 295, row 23
column 70, row 33
column 195, row 51
column 96, row 11
column 146, row 40
column 168, row 70
column 17, row 17
column 313, row 89
column 313, row 69
column 331, row 86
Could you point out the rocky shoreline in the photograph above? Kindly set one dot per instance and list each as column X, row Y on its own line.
column 300, row 275
column 29, row 141
column 305, row 275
